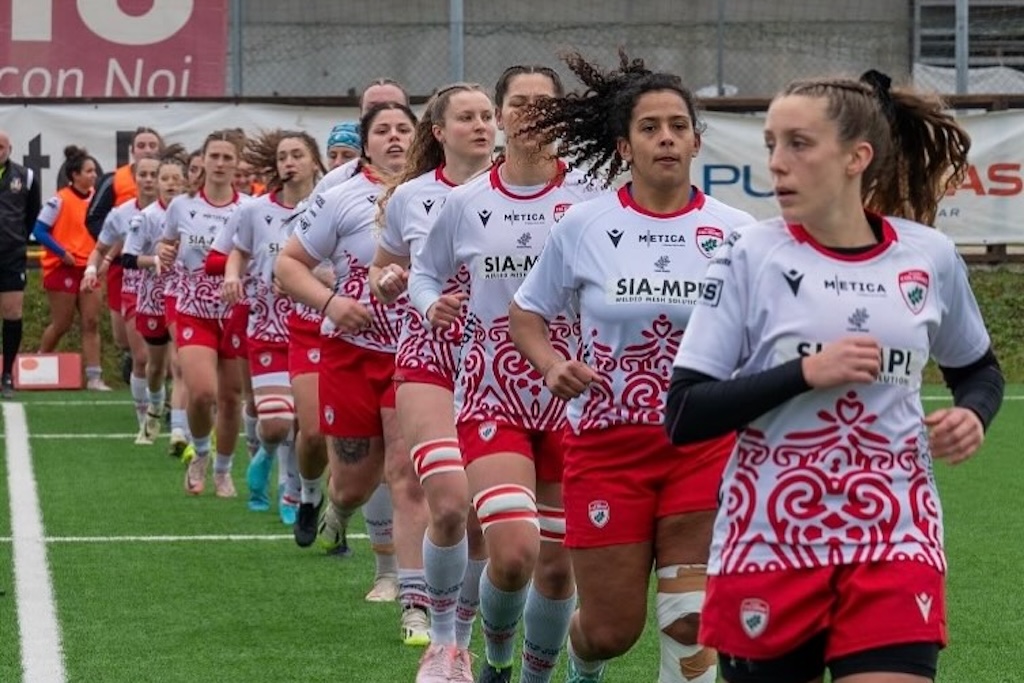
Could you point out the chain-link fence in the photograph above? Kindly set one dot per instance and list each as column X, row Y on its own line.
column 728, row 47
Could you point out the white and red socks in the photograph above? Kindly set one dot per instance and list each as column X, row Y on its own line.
column 444, row 569
column 546, row 626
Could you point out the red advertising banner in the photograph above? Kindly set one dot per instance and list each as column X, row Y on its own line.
column 113, row 48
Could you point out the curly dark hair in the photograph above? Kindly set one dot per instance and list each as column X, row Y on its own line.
column 588, row 125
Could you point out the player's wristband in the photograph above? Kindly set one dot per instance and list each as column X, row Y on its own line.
column 323, row 311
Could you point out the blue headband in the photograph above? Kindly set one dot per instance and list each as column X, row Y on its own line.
column 344, row 135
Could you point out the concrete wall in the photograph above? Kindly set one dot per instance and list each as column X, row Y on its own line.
column 331, row 47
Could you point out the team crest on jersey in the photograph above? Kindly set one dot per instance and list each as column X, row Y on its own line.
column 186, row 333
column 329, row 415
column 68, row 282
column 487, row 430
column 754, row 616
column 914, row 288
column 709, row 238
column 15, row 185
column 599, row 512
column 265, row 360
column 560, row 210
column 313, row 355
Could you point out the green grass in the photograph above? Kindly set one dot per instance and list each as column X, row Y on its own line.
column 268, row 611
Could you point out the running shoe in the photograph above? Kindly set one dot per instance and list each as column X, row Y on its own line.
column 573, row 675
column 305, row 529
column 385, row 588
column 461, row 670
column 195, row 475
column 257, row 478
column 415, row 627
column 287, row 509
column 435, row 665
column 223, row 485
column 492, row 674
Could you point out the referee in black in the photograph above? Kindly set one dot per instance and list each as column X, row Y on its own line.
column 19, row 206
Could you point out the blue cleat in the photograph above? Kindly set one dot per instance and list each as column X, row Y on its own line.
column 288, row 509
column 257, row 477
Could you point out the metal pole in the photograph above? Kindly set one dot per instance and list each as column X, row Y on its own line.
column 236, row 48
column 720, row 50
column 456, row 41
column 962, row 51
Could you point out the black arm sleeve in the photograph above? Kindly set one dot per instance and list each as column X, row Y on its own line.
column 977, row 387
column 130, row 261
column 700, row 407
column 33, row 206
column 100, row 205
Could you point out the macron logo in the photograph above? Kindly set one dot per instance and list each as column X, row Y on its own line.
column 924, row 603
column 485, row 216
column 615, row 236
column 793, row 279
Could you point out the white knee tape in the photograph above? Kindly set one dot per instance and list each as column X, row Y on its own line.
column 436, row 457
column 681, row 593
column 506, row 503
column 552, row 523
column 275, row 407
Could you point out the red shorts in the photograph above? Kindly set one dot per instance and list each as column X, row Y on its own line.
column 764, row 615
column 619, row 481
column 268, row 364
column 208, row 332
column 480, row 438
column 129, row 302
column 236, row 328
column 424, row 376
column 151, row 326
column 115, row 278
column 64, row 279
column 170, row 309
column 304, row 344
column 355, row 385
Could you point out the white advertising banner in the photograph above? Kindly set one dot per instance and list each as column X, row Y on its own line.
column 732, row 166
column 988, row 208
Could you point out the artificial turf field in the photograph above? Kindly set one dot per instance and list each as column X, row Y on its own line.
column 152, row 585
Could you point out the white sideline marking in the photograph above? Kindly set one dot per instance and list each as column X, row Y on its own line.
column 172, row 539
column 42, row 658
column 76, row 402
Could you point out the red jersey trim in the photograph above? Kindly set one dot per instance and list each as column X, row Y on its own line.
column 889, row 236
column 233, row 200
column 500, row 186
column 440, row 177
column 696, row 203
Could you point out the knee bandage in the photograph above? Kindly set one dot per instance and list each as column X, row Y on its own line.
column 436, row 457
column 275, row 407
column 506, row 503
column 680, row 594
column 552, row 523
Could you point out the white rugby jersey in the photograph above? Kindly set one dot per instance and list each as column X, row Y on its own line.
column 637, row 276
column 115, row 229
column 408, row 218
column 194, row 223
column 144, row 232
column 498, row 234
column 263, row 225
column 843, row 475
column 339, row 226
column 336, row 176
